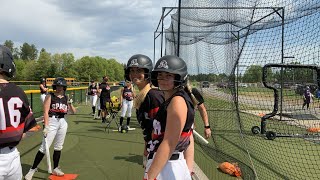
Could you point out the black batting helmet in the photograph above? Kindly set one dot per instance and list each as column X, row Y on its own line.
column 59, row 81
column 6, row 62
column 140, row 61
column 171, row 64
column 42, row 80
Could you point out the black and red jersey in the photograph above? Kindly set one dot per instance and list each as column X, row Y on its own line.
column 58, row 106
column 160, row 121
column 92, row 90
column 105, row 90
column 42, row 91
column 16, row 116
column 127, row 94
column 148, row 110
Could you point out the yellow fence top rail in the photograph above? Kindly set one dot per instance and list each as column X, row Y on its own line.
column 50, row 90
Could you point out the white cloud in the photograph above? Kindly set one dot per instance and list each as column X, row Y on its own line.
column 111, row 29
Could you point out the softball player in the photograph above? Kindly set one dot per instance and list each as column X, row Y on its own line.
column 126, row 101
column 172, row 126
column 43, row 89
column 105, row 96
column 148, row 100
column 56, row 106
column 92, row 92
column 16, row 118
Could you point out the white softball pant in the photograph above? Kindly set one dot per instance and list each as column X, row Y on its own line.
column 42, row 97
column 93, row 100
column 126, row 108
column 10, row 164
column 57, row 132
column 98, row 104
column 173, row 170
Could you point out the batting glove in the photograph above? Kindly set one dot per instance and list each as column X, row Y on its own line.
column 45, row 131
column 70, row 101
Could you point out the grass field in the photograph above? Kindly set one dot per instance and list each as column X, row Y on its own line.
column 282, row 158
column 93, row 153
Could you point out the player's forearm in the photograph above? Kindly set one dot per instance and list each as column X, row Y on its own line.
column 72, row 108
column 46, row 119
column 189, row 154
column 204, row 115
column 160, row 159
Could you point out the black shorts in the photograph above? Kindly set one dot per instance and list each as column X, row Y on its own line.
column 103, row 102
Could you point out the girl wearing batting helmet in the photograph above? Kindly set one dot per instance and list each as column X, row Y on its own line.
column 43, row 89
column 172, row 126
column 16, row 118
column 56, row 106
column 148, row 100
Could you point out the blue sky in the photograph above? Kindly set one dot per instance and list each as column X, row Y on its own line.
column 106, row 28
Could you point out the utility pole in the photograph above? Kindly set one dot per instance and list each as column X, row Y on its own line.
column 179, row 14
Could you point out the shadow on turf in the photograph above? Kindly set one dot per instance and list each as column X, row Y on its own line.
column 25, row 170
column 83, row 121
column 134, row 158
column 85, row 134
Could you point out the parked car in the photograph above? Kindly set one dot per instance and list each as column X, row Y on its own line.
column 205, row 84
column 243, row 85
column 222, row 85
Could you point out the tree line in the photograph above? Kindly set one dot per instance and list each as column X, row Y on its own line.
column 31, row 65
column 253, row 74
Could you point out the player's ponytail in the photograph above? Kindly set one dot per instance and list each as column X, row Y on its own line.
column 188, row 89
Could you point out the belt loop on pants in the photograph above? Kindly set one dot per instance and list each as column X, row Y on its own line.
column 174, row 156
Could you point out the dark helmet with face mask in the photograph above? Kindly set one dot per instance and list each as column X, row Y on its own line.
column 59, row 81
column 140, row 61
column 7, row 65
column 171, row 64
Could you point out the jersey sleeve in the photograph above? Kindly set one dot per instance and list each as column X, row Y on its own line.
column 198, row 96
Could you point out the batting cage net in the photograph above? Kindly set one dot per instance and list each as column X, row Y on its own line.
column 261, row 60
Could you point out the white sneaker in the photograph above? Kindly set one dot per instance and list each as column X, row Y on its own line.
column 119, row 128
column 57, row 171
column 29, row 175
column 108, row 116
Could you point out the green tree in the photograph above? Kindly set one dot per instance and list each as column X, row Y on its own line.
column 20, row 66
column 253, row 74
column 43, row 65
column 28, row 52
column 9, row 44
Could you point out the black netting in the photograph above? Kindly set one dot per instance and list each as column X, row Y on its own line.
column 228, row 42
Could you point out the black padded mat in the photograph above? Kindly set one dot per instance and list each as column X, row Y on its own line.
column 300, row 116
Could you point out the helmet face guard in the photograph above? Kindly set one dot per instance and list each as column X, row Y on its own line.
column 139, row 61
column 7, row 64
column 174, row 65
column 59, row 81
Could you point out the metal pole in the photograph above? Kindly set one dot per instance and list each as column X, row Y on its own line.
column 179, row 14
column 282, row 60
column 154, row 47
column 163, row 9
column 238, row 50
